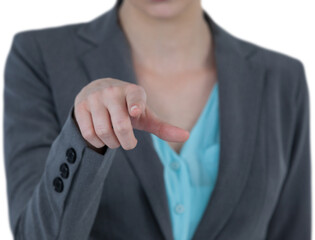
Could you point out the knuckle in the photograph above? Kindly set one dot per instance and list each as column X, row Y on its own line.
column 107, row 79
column 122, row 127
column 100, row 81
column 142, row 92
column 141, row 89
column 93, row 97
column 135, row 88
column 132, row 87
column 79, row 105
column 88, row 134
column 112, row 91
column 103, row 132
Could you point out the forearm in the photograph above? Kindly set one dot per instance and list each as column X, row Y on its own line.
column 65, row 210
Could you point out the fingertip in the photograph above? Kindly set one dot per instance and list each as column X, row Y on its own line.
column 187, row 135
column 135, row 111
column 184, row 136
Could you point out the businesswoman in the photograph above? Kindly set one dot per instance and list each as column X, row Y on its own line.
column 153, row 122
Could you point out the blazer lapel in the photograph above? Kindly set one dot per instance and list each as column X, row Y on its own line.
column 240, row 94
column 241, row 84
column 111, row 57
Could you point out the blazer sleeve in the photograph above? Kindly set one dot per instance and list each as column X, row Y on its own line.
column 292, row 217
column 54, row 180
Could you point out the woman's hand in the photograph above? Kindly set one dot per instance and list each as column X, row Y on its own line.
column 107, row 110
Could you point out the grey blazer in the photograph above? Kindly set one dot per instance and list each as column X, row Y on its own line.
column 58, row 188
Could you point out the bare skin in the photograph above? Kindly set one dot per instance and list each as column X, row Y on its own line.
column 174, row 63
column 108, row 109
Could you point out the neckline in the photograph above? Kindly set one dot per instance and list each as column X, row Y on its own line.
column 183, row 149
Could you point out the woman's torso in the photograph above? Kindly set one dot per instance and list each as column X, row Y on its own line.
column 254, row 90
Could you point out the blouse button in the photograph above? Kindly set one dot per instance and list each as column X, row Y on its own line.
column 175, row 165
column 179, row 208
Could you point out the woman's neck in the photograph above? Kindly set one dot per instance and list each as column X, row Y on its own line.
column 181, row 43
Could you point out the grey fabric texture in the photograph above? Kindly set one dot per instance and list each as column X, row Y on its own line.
column 263, row 190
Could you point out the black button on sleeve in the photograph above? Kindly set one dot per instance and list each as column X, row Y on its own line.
column 64, row 170
column 58, row 184
column 71, row 155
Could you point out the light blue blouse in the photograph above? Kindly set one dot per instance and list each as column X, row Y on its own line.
column 190, row 176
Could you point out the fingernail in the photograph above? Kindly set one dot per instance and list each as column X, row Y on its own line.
column 134, row 107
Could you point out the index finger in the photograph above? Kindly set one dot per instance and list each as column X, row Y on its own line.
column 151, row 123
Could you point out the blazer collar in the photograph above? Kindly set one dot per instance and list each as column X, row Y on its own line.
column 240, row 83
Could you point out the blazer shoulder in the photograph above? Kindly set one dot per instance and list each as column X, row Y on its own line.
column 48, row 34
column 41, row 49
column 271, row 58
column 282, row 67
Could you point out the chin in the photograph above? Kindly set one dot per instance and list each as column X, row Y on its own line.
column 162, row 9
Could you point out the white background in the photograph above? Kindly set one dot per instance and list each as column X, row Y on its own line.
column 286, row 26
